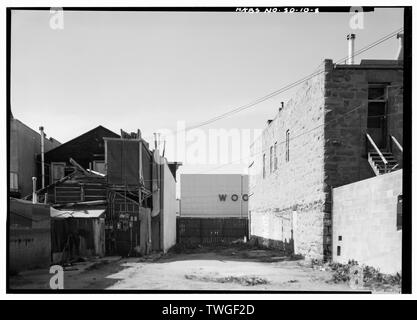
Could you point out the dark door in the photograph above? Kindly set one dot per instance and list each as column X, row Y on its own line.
column 127, row 233
column 377, row 111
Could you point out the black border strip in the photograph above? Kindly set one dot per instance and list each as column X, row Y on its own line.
column 407, row 136
column 322, row 9
column 407, row 178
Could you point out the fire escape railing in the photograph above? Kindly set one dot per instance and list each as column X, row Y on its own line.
column 397, row 144
column 378, row 151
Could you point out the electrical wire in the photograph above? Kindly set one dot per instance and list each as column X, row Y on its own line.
column 287, row 87
column 297, row 136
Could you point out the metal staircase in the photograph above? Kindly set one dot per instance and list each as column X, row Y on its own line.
column 381, row 160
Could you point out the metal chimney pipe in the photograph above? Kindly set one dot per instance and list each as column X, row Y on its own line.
column 157, row 140
column 351, row 48
column 42, row 155
column 34, row 195
column 400, row 53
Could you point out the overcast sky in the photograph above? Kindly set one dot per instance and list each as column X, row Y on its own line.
column 149, row 70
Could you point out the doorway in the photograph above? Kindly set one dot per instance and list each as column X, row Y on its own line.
column 377, row 113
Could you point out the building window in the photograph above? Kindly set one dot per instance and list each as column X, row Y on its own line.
column 14, row 184
column 271, row 159
column 57, row 171
column 263, row 166
column 376, row 105
column 287, row 146
column 275, row 156
column 99, row 166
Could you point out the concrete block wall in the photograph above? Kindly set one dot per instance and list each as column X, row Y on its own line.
column 365, row 217
column 296, row 185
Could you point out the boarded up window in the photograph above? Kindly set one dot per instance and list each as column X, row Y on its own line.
column 287, row 146
column 14, row 185
column 123, row 162
column 275, row 156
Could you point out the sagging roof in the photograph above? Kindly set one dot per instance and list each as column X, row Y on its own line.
column 103, row 130
column 65, row 214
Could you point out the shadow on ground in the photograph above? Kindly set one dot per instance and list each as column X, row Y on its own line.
column 89, row 274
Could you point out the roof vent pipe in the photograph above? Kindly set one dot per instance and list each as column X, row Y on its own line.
column 351, row 48
column 34, row 194
column 400, row 53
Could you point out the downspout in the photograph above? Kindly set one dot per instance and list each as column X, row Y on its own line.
column 42, row 155
column 161, row 206
column 351, row 48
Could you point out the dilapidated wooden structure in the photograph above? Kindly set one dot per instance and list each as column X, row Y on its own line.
column 127, row 201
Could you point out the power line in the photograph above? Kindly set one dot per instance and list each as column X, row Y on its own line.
column 297, row 136
column 287, row 87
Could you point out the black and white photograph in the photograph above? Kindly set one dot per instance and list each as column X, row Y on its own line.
column 233, row 149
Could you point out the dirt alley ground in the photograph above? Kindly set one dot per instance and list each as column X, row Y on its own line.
column 228, row 268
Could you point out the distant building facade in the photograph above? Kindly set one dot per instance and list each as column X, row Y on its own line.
column 214, row 195
column 25, row 146
column 330, row 134
column 213, row 208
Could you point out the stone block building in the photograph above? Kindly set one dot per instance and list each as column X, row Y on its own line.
column 343, row 125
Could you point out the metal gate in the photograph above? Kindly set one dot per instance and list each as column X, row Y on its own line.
column 211, row 231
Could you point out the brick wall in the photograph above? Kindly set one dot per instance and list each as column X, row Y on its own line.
column 346, row 100
column 365, row 217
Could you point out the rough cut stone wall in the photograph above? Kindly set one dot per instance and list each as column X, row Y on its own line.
column 291, row 207
column 288, row 204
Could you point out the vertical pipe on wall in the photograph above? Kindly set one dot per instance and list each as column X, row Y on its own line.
column 351, row 48
column 34, row 195
column 42, row 156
